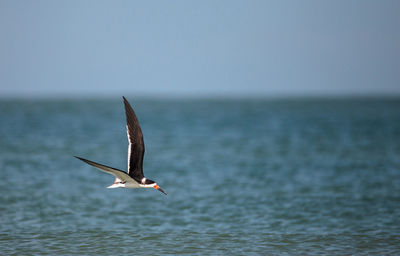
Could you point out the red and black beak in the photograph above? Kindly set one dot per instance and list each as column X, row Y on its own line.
column 159, row 189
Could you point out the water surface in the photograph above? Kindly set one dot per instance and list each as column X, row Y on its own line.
column 243, row 177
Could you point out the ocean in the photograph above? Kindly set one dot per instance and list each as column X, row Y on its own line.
column 243, row 177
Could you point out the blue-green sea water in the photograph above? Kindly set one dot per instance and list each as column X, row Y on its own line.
column 243, row 177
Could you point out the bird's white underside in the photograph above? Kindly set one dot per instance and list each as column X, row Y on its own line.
column 131, row 184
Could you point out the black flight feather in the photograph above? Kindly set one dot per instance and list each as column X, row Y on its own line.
column 136, row 143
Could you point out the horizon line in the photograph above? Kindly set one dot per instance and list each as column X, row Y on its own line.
column 199, row 96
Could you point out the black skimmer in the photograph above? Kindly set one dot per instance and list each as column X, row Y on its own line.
column 134, row 178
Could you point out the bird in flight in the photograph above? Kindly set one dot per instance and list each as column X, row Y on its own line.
column 134, row 178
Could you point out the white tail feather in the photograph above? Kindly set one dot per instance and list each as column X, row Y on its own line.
column 117, row 185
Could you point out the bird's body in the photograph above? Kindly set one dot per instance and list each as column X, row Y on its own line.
column 134, row 178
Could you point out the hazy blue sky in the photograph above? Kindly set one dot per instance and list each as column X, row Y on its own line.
column 199, row 47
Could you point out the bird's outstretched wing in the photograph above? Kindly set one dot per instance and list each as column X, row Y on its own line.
column 123, row 176
column 136, row 144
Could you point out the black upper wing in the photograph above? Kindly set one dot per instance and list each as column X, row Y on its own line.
column 136, row 144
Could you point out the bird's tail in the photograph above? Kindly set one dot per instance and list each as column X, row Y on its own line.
column 117, row 184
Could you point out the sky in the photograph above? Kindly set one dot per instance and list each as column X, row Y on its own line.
column 199, row 48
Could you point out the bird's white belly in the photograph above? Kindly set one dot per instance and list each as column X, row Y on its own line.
column 131, row 184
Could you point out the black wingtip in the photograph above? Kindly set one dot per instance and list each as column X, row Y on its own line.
column 126, row 102
column 80, row 158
